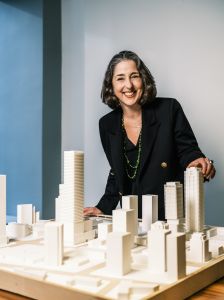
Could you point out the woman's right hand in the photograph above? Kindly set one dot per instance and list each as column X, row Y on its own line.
column 92, row 211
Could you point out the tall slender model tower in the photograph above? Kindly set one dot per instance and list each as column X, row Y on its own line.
column 174, row 206
column 194, row 200
column 3, row 238
column 70, row 203
column 173, row 200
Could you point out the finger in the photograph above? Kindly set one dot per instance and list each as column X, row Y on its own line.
column 209, row 167
column 202, row 162
column 88, row 211
column 213, row 172
column 199, row 163
column 85, row 209
column 192, row 164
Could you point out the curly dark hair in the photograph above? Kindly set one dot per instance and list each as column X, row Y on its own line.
column 149, row 86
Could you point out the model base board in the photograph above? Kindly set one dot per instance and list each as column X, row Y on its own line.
column 84, row 275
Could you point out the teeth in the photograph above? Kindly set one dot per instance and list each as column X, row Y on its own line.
column 129, row 93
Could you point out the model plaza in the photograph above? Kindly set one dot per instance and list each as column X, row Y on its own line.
column 111, row 258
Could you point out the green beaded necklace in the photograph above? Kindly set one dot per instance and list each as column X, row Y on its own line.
column 128, row 164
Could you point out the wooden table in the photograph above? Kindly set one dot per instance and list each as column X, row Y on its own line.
column 215, row 292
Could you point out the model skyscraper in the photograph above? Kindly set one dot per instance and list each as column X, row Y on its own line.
column 149, row 211
column 70, row 203
column 194, row 200
column 174, row 206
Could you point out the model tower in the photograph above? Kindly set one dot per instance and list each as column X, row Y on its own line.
column 70, row 203
column 149, row 211
column 131, row 202
column 157, row 246
column 174, row 209
column 3, row 238
column 194, row 199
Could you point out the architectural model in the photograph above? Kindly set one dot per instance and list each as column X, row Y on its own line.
column 131, row 202
column 149, row 211
column 118, row 256
column 174, row 205
column 54, row 243
column 70, row 202
column 194, row 200
column 171, row 260
column 26, row 214
column 124, row 221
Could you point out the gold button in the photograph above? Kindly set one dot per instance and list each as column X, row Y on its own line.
column 120, row 193
column 164, row 164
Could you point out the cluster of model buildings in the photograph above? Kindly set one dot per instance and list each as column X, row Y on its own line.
column 166, row 241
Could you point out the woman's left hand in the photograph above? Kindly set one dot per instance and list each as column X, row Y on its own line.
column 207, row 166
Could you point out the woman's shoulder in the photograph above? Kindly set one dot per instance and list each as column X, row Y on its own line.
column 110, row 117
column 163, row 104
column 162, row 101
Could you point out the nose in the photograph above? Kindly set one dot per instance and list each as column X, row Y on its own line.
column 128, row 83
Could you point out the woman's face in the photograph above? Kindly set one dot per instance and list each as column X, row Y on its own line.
column 127, row 83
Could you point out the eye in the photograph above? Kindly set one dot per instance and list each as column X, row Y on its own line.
column 135, row 76
column 120, row 78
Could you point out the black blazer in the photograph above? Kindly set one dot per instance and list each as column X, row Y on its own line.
column 168, row 146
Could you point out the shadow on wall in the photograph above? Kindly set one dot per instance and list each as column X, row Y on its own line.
column 32, row 7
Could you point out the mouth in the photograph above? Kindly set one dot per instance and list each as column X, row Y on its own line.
column 130, row 94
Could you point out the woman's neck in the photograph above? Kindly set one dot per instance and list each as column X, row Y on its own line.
column 132, row 113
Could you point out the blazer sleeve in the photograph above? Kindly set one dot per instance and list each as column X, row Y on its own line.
column 185, row 140
column 111, row 197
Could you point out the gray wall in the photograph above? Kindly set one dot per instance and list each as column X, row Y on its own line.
column 181, row 42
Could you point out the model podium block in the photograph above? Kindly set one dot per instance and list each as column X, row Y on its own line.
column 118, row 260
column 3, row 238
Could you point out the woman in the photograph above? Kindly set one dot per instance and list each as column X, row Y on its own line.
column 147, row 140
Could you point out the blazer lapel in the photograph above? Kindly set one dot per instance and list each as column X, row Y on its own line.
column 116, row 141
column 149, row 131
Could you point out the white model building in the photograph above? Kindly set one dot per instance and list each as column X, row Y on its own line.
column 131, row 202
column 3, row 238
column 157, row 247
column 54, row 246
column 70, row 202
column 25, row 214
column 199, row 248
column 174, row 206
column 149, row 211
column 194, row 200
column 103, row 230
column 176, row 256
column 118, row 259
column 124, row 221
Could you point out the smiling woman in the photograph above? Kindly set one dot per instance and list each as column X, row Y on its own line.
column 127, row 84
column 148, row 141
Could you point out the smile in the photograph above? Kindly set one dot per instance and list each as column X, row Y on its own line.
column 129, row 94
